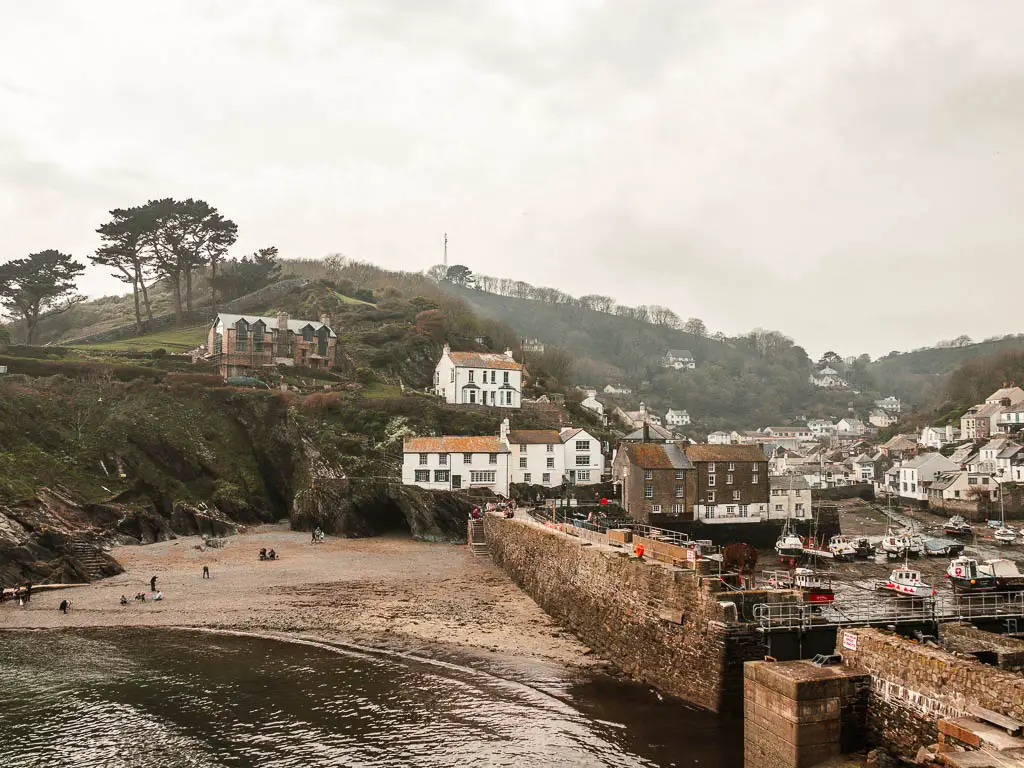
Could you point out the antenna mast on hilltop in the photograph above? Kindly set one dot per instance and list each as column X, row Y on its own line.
column 446, row 250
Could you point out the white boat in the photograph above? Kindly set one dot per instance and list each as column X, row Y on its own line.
column 915, row 545
column 907, row 582
column 894, row 545
column 1005, row 535
column 958, row 526
column 842, row 547
column 789, row 545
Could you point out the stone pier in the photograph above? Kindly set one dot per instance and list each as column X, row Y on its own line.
column 798, row 714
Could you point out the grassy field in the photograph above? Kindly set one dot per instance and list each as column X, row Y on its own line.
column 173, row 340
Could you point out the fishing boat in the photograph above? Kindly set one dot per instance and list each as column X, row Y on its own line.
column 915, row 545
column 1005, row 535
column 968, row 575
column 906, row 582
column 942, row 547
column 789, row 544
column 842, row 547
column 815, row 586
column 957, row 526
column 894, row 544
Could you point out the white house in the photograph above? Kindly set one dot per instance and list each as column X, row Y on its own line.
column 725, row 438
column 1014, row 394
column 593, row 405
column 828, row 378
column 452, row 463
column 797, row 433
column 890, row 403
column 612, row 389
column 937, row 437
column 881, row 418
column 679, row 359
column 821, row 427
column 916, row 473
column 676, row 418
column 480, row 378
column 962, row 486
column 536, row 456
column 584, row 461
column 1011, row 419
column 790, row 497
column 532, row 346
column 850, row 427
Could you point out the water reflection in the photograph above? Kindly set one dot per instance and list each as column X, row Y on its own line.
column 158, row 698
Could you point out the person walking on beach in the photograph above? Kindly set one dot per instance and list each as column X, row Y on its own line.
column 64, row 605
column 152, row 584
column 206, row 571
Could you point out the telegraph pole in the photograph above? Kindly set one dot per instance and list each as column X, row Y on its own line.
column 446, row 250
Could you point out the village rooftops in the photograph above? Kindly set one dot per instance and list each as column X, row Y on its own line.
column 656, row 456
column 863, row 459
column 703, row 452
column 900, row 443
column 534, row 437
column 1013, row 394
column 943, row 480
column 484, row 360
column 654, row 432
column 680, row 354
column 454, row 444
column 271, row 323
column 789, row 483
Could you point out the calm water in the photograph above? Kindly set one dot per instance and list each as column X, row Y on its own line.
column 160, row 699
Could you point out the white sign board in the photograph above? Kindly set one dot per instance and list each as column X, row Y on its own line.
column 850, row 641
column 3, row 369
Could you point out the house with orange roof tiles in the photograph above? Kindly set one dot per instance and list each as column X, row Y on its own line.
column 479, row 378
column 453, row 463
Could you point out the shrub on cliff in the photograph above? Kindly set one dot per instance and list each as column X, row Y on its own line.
column 366, row 376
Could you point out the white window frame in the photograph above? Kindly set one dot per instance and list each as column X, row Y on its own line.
column 648, row 491
column 582, row 460
column 711, row 497
column 656, row 508
column 419, row 475
column 424, row 459
column 523, row 463
column 442, row 459
column 442, row 476
column 711, row 481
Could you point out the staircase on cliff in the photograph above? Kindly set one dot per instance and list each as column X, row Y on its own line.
column 477, row 539
column 88, row 556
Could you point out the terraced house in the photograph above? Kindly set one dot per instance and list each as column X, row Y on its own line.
column 731, row 483
column 243, row 344
column 452, row 463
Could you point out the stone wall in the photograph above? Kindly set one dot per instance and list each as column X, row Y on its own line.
column 915, row 685
column 999, row 650
column 673, row 628
column 864, row 491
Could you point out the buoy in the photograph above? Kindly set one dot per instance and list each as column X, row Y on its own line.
column 639, row 550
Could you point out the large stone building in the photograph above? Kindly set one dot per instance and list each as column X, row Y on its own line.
column 731, row 484
column 479, row 378
column 243, row 344
column 653, row 477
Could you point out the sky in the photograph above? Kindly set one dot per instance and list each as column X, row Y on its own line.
column 847, row 172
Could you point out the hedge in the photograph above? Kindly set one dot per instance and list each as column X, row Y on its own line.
column 77, row 370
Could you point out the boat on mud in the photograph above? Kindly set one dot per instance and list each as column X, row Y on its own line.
column 942, row 547
column 815, row 586
column 968, row 575
column 901, row 544
column 1005, row 535
column 842, row 547
column 957, row 526
column 789, row 545
column 906, row 582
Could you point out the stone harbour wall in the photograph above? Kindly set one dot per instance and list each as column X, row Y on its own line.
column 671, row 627
column 913, row 686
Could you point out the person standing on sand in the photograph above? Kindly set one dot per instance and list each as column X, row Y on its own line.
column 152, row 584
column 64, row 605
column 206, row 571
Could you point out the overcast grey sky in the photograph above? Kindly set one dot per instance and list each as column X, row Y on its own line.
column 848, row 172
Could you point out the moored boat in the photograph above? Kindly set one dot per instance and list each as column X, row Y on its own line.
column 815, row 586
column 957, row 526
column 842, row 547
column 1006, row 535
column 942, row 547
column 789, row 545
column 968, row 575
column 906, row 582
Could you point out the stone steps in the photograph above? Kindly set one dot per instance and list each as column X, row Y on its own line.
column 478, row 539
column 89, row 557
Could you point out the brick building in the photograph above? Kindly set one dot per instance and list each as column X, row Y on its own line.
column 243, row 344
column 730, row 484
column 654, row 481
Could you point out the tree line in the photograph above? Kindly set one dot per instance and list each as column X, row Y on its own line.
column 166, row 240
column 655, row 314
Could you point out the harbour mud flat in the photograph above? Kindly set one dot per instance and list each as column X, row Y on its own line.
column 389, row 591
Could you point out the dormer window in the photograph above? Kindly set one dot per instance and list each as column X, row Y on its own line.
column 259, row 335
column 307, row 333
column 242, row 336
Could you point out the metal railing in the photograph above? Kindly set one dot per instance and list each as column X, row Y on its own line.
column 783, row 616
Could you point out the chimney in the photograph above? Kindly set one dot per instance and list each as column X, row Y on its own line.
column 647, row 432
column 326, row 320
column 282, row 321
column 503, row 433
column 508, row 353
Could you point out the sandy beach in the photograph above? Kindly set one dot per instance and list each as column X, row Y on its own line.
column 388, row 592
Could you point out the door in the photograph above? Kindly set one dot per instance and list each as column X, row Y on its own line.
column 456, row 482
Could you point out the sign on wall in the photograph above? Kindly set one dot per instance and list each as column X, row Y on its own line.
column 850, row 641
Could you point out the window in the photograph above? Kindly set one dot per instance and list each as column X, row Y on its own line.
column 583, row 474
column 423, row 459
column 467, row 458
column 905, row 485
column 583, row 460
column 506, row 377
column 956, row 494
column 735, row 495
column 677, row 509
column 546, row 478
column 440, row 475
column 480, row 476
column 709, row 511
column 259, row 331
column 711, row 480
column 472, row 374
column 648, row 474
column 732, row 466
column 526, row 477
column 551, row 463
column 728, row 479
column 241, row 336
column 679, row 474
column 218, row 343
column 551, row 448
column 656, row 508
column 679, row 491
column 753, row 478
column 494, row 376
column 422, row 475
column 522, row 448
column 472, row 396
column 800, row 510
column 778, row 507
column 711, row 467
column 582, row 445
column 743, row 510
column 453, row 376
column 711, row 497
column 730, row 510
column 493, row 458
column 442, row 459
column 984, row 481
column 648, row 491
column 522, row 462
column 970, row 481
column 307, row 333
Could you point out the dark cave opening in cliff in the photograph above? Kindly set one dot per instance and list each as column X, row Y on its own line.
column 387, row 517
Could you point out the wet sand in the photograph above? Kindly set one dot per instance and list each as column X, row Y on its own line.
column 390, row 592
